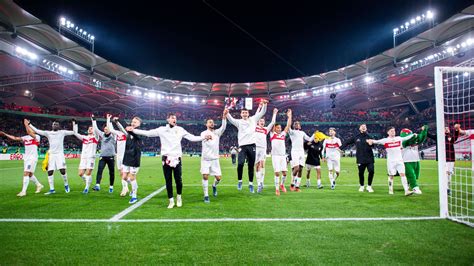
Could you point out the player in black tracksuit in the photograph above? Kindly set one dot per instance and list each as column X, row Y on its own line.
column 131, row 158
column 313, row 160
column 364, row 155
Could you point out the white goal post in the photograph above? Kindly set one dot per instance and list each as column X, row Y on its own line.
column 454, row 96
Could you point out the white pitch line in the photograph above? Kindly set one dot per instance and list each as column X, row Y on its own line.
column 313, row 186
column 204, row 220
column 136, row 205
column 9, row 168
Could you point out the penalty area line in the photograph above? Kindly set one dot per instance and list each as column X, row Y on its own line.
column 212, row 220
column 136, row 205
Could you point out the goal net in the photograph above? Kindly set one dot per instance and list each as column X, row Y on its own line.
column 454, row 88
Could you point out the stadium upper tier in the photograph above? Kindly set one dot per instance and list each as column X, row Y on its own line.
column 59, row 72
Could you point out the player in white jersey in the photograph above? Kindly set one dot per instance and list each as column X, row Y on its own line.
column 89, row 150
column 277, row 139
column 393, row 146
column 261, row 133
column 210, row 156
column 332, row 155
column 56, row 161
column 30, row 158
column 470, row 134
column 121, row 139
column 246, row 139
column 298, row 137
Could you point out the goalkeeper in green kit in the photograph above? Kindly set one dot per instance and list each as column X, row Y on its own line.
column 411, row 156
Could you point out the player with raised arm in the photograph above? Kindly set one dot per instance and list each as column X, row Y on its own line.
column 246, row 139
column 57, row 160
column 131, row 158
column 277, row 139
column 121, row 139
column 298, row 137
column 261, row 133
column 30, row 158
column 171, row 152
column 332, row 155
column 470, row 134
column 210, row 156
column 393, row 146
column 107, row 155
column 450, row 138
column 89, row 150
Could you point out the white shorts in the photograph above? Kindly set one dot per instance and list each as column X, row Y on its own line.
column 297, row 158
column 87, row 163
column 211, row 167
column 30, row 165
column 56, row 162
column 309, row 166
column 450, row 167
column 394, row 167
column 260, row 154
column 130, row 169
column 119, row 162
column 279, row 163
column 333, row 164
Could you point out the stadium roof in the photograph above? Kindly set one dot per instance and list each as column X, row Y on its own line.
column 394, row 83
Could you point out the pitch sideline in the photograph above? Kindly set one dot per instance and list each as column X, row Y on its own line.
column 203, row 220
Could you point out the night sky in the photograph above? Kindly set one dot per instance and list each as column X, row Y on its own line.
column 188, row 40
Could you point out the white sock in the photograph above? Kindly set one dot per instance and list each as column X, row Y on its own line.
column 134, row 188
column 404, row 183
column 319, row 182
column 297, row 181
column 250, row 183
column 88, row 180
column 390, row 184
column 51, row 182
column 66, row 183
column 216, row 182
column 262, row 176
column 331, row 177
column 205, row 185
column 293, row 180
column 124, row 184
column 83, row 177
column 34, row 180
column 283, row 179
column 259, row 176
column 178, row 197
column 277, row 182
column 26, row 181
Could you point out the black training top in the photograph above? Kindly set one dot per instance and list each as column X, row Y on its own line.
column 364, row 153
column 314, row 152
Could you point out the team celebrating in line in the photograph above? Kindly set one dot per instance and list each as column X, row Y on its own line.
column 123, row 148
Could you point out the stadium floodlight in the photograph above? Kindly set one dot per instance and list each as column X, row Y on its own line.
column 68, row 26
column 193, row 99
column 413, row 23
column 24, row 53
column 429, row 14
column 368, row 79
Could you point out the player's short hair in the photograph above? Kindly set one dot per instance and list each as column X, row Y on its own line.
column 332, row 128
column 137, row 118
column 363, row 124
column 244, row 109
column 170, row 115
column 389, row 128
column 207, row 119
column 277, row 125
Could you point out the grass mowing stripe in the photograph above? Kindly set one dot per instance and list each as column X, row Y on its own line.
column 201, row 220
column 136, row 205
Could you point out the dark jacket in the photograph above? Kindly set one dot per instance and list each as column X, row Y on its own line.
column 364, row 153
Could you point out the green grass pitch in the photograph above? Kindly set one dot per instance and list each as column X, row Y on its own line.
column 229, row 242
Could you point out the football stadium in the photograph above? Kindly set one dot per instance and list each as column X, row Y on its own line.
column 103, row 160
